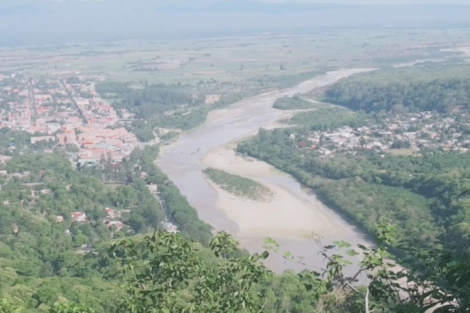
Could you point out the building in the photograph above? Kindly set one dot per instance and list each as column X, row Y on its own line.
column 170, row 228
column 111, row 213
column 42, row 138
column 117, row 224
column 153, row 188
column 53, row 127
column 4, row 159
column 79, row 217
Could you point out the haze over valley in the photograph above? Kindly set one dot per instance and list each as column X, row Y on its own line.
column 234, row 156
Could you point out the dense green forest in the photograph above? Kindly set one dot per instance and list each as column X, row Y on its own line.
column 48, row 254
column 328, row 118
column 419, row 88
column 49, row 263
column 167, row 273
column 42, row 255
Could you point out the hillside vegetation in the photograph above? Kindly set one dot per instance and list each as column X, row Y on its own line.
column 164, row 272
column 52, row 265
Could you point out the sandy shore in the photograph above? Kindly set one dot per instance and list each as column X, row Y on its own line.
column 222, row 113
column 287, row 215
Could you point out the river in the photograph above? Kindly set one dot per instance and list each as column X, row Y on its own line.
column 181, row 162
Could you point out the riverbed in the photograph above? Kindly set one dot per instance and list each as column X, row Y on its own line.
column 294, row 228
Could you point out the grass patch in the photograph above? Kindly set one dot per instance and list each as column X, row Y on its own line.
column 239, row 186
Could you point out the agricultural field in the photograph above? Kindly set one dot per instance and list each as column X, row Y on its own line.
column 266, row 57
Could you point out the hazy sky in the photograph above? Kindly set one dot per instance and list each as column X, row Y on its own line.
column 42, row 20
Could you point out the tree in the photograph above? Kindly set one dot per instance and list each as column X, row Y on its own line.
column 70, row 308
column 441, row 283
column 8, row 276
column 167, row 273
column 160, row 279
column 7, row 307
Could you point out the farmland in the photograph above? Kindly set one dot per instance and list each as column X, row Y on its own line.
column 267, row 59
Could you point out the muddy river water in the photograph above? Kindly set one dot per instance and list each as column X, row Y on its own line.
column 181, row 162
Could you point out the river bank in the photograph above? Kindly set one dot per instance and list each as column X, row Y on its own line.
column 287, row 215
column 291, row 218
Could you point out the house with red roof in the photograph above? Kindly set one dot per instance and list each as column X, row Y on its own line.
column 79, row 217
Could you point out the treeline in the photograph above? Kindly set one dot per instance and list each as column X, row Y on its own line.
column 17, row 142
column 155, row 106
column 293, row 103
column 16, row 139
column 347, row 184
column 148, row 101
column 184, row 120
column 328, row 118
column 176, row 205
column 286, row 81
column 418, row 88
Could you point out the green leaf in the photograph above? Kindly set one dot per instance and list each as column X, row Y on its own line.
column 352, row 253
column 342, row 244
column 265, row 255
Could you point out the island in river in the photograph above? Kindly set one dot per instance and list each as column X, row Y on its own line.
column 295, row 215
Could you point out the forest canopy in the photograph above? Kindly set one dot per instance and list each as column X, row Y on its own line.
column 419, row 88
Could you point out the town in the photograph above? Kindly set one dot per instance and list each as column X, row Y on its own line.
column 407, row 133
column 65, row 112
